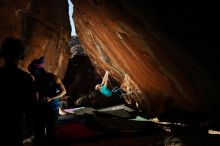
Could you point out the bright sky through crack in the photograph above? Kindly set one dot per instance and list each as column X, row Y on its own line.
column 73, row 32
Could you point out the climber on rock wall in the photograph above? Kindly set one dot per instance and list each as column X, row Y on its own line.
column 105, row 89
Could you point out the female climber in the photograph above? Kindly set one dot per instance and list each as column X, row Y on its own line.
column 104, row 87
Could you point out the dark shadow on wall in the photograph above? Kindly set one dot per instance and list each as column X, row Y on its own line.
column 80, row 77
column 192, row 25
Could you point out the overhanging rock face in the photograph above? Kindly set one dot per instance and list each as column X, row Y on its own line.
column 118, row 38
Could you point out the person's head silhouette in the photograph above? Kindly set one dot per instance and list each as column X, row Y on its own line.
column 12, row 50
column 36, row 67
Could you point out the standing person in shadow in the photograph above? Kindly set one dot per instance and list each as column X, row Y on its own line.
column 17, row 98
column 49, row 89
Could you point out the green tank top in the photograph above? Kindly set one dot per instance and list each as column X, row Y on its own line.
column 105, row 91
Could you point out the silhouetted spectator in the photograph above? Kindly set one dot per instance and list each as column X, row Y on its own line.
column 49, row 89
column 16, row 88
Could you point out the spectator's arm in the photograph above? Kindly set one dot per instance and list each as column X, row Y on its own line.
column 62, row 89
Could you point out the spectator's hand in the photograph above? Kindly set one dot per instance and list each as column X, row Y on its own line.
column 108, row 72
column 49, row 99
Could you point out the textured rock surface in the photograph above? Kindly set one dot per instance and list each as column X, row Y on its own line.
column 153, row 48
column 124, row 37
column 43, row 26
